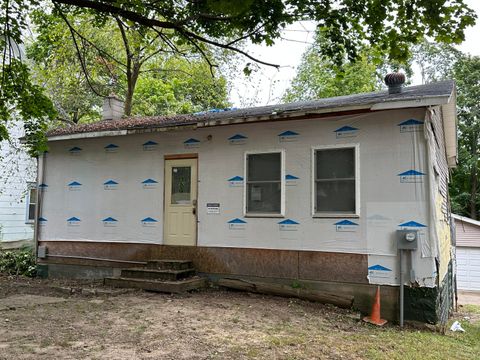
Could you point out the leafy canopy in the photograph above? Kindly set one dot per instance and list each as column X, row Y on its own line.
column 392, row 25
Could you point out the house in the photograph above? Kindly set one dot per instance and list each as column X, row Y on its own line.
column 17, row 191
column 17, row 183
column 311, row 193
column 467, row 234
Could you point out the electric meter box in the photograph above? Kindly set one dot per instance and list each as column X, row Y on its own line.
column 407, row 239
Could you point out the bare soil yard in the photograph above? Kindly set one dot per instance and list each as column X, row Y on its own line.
column 213, row 324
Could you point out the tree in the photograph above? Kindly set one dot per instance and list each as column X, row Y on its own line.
column 440, row 62
column 116, row 59
column 318, row 76
column 390, row 24
column 465, row 186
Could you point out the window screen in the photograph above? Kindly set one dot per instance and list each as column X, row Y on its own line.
column 335, row 181
column 32, row 198
column 264, row 183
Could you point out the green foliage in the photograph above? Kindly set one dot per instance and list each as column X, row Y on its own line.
column 320, row 77
column 18, row 262
column 391, row 25
column 158, row 82
column 439, row 62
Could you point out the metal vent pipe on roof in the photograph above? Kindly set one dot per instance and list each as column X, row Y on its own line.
column 395, row 82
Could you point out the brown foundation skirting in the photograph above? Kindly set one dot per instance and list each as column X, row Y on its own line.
column 286, row 264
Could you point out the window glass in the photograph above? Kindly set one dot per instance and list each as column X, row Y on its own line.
column 335, row 181
column 181, row 181
column 264, row 185
column 264, row 167
column 335, row 163
column 32, row 198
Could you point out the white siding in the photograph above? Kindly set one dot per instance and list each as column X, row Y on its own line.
column 468, row 268
column 467, row 234
column 17, row 170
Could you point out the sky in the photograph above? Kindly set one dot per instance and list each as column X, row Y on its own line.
column 267, row 85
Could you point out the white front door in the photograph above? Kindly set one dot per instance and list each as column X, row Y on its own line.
column 180, row 202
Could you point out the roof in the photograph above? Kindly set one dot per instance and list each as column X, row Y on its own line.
column 466, row 219
column 439, row 93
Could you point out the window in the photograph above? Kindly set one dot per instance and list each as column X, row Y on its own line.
column 31, row 202
column 335, row 181
column 264, row 184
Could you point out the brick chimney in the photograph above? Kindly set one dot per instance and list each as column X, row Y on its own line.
column 113, row 108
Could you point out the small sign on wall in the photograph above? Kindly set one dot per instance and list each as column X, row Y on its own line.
column 213, row 208
column 110, row 185
column 149, row 222
column 149, row 184
column 74, row 186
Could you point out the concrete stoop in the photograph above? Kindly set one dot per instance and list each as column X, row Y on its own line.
column 170, row 276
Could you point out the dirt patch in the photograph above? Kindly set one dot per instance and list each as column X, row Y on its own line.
column 206, row 325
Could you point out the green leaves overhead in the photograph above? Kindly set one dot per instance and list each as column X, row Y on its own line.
column 391, row 26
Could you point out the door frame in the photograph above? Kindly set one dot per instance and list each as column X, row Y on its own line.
column 166, row 157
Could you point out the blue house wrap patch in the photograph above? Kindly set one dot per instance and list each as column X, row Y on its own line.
column 75, row 149
column 346, row 128
column 109, row 219
column 288, row 133
column 236, row 178
column 411, row 173
column 379, row 268
column 238, row 137
column 73, row 219
column 288, row 222
column 110, row 182
column 237, row 221
column 191, row 141
column 42, row 219
column 150, row 143
column 411, row 122
column 291, row 177
column 412, row 224
column 111, row 146
column 149, row 220
column 346, row 222
column 149, row 181
column 74, row 183
column 42, row 186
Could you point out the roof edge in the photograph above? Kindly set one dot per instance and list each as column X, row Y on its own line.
column 466, row 219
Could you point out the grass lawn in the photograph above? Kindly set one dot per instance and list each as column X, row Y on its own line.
column 207, row 325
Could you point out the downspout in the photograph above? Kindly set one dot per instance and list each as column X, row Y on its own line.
column 39, row 198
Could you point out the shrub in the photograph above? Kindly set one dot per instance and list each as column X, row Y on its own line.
column 18, row 262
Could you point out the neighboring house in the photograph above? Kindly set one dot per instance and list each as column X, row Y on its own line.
column 308, row 193
column 17, row 191
column 467, row 232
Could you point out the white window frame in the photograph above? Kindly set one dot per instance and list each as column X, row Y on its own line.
column 282, row 184
column 30, row 186
column 356, row 148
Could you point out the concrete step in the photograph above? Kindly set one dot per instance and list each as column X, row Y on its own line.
column 154, row 274
column 156, row 285
column 169, row 264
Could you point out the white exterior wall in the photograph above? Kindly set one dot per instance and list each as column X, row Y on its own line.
column 386, row 199
column 17, row 170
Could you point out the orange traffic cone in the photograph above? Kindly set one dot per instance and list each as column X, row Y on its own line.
column 375, row 318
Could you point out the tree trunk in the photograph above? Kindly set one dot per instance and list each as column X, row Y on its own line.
column 473, row 191
column 131, row 83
